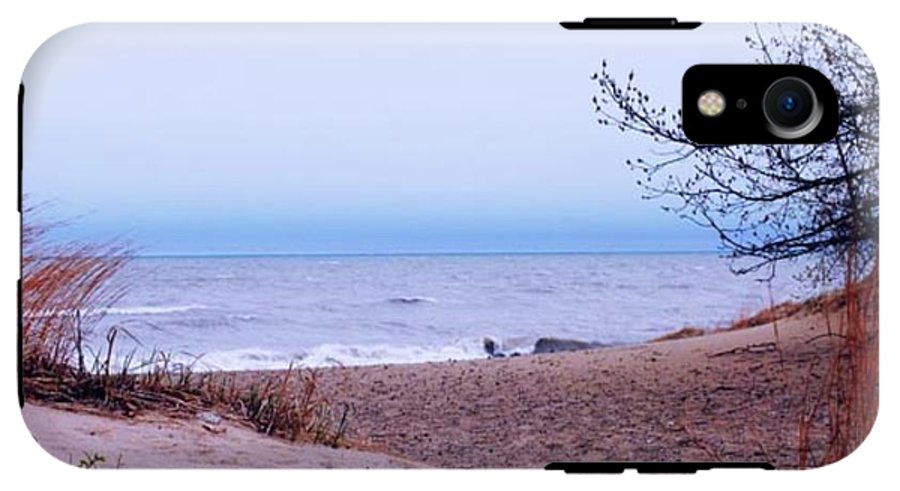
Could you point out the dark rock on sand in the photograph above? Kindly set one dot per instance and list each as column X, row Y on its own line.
column 492, row 348
column 555, row 345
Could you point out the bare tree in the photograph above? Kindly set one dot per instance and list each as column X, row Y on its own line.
column 769, row 203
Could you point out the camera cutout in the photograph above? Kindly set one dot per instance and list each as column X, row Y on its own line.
column 791, row 107
column 771, row 104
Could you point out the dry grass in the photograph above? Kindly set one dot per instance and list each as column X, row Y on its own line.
column 290, row 405
column 767, row 316
column 285, row 404
column 848, row 399
column 840, row 409
column 65, row 290
column 683, row 333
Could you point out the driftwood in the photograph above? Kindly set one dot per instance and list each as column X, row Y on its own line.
column 749, row 349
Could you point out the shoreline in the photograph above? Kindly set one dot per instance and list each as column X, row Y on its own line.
column 733, row 395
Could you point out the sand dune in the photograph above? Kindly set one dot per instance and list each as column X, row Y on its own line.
column 157, row 441
column 732, row 396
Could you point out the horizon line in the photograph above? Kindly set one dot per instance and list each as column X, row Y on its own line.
column 422, row 253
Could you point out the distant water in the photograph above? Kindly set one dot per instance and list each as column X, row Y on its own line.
column 265, row 312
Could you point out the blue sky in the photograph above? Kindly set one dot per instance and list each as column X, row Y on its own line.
column 313, row 139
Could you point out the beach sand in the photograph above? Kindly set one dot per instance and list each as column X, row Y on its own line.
column 732, row 396
column 158, row 441
column 724, row 396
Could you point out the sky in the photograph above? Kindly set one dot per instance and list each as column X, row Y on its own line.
column 232, row 139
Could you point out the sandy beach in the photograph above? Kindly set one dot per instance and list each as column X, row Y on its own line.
column 732, row 396
column 158, row 441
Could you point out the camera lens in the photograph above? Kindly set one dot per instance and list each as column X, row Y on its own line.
column 791, row 108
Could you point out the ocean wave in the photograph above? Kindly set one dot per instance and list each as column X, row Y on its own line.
column 332, row 355
column 247, row 359
column 412, row 300
column 137, row 310
column 151, row 309
column 344, row 355
column 676, row 286
column 538, row 289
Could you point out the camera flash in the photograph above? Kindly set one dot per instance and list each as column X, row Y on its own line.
column 711, row 103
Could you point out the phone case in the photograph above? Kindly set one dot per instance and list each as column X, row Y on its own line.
column 439, row 245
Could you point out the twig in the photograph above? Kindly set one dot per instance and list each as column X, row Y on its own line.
column 750, row 349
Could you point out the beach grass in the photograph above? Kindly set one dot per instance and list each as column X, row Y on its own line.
column 65, row 289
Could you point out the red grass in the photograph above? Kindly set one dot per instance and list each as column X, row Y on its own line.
column 766, row 316
column 64, row 289
column 848, row 398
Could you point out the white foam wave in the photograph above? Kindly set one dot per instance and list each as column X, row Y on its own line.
column 152, row 309
column 247, row 359
column 330, row 355
column 135, row 310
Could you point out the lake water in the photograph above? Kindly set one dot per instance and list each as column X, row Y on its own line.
column 269, row 311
